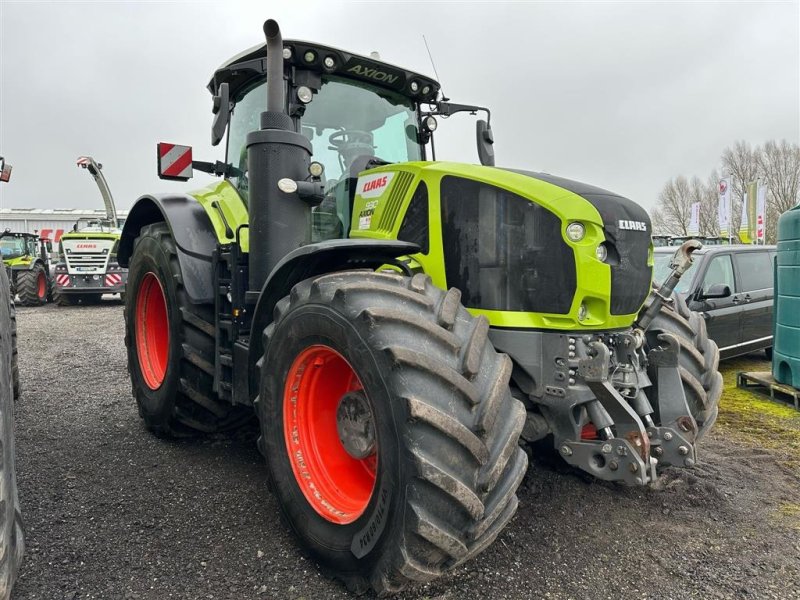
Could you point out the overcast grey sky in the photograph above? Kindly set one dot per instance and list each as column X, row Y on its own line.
column 623, row 95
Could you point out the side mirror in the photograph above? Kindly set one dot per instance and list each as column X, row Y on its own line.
column 717, row 290
column 222, row 109
column 174, row 162
column 485, row 140
column 5, row 170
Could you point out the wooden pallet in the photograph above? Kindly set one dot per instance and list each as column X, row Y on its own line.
column 764, row 382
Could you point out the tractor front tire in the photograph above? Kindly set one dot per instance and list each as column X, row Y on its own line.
column 698, row 359
column 12, row 543
column 388, row 427
column 32, row 286
column 171, row 347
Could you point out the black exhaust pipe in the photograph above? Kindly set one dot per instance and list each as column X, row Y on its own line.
column 279, row 221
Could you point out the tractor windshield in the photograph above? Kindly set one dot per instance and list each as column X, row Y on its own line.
column 12, row 247
column 345, row 120
column 348, row 119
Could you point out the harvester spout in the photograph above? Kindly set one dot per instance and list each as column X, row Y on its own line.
column 275, row 90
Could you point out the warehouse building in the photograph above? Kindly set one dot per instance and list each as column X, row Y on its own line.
column 49, row 223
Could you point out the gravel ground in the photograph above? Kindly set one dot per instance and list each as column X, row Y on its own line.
column 112, row 512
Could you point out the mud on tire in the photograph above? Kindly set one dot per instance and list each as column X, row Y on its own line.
column 446, row 426
column 184, row 403
column 698, row 358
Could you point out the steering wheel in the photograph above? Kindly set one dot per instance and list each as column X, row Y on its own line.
column 347, row 137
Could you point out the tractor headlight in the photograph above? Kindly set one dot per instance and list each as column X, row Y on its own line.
column 430, row 123
column 576, row 231
column 601, row 253
column 310, row 56
column 315, row 169
column 304, row 94
column 582, row 312
column 329, row 62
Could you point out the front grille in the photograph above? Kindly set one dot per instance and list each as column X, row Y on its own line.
column 503, row 251
column 86, row 262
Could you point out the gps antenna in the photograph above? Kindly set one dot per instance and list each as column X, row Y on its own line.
column 435, row 72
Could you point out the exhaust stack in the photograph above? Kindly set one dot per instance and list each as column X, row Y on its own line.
column 279, row 221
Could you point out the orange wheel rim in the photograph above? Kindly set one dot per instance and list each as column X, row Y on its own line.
column 152, row 331
column 41, row 286
column 335, row 480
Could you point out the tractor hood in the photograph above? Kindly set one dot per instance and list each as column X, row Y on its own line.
column 525, row 249
column 627, row 226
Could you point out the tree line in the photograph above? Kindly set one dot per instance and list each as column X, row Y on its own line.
column 775, row 164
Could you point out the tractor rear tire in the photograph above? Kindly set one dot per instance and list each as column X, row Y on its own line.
column 12, row 545
column 418, row 381
column 32, row 286
column 62, row 299
column 698, row 359
column 171, row 345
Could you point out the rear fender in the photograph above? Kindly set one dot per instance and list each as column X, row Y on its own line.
column 192, row 230
column 309, row 261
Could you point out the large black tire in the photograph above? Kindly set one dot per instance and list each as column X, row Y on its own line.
column 183, row 403
column 32, row 286
column 446, row 426
column 698, row 358
column 64, row 299
column 12, row 545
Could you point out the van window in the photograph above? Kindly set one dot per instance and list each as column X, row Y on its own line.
column 755, row 269
column 720, row 270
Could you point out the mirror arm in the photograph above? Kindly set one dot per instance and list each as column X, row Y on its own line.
column 445, row 109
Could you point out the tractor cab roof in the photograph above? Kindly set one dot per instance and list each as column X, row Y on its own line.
column 21, row 234
column 310, row 56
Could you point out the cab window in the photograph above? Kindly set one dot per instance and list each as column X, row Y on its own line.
column 720, row 271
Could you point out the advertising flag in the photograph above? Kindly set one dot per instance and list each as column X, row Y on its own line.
column 694, row 220
column 761, row 213
column 747, row 226
column 724, row 209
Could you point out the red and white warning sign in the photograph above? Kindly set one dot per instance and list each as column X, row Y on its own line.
column 113, row 279
column 62, row 280
column 5, row 172
column 174, row 162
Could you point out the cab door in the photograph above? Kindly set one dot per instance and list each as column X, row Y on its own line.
column 755, row 274
column 722, row 315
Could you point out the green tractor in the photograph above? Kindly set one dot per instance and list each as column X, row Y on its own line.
column 26, row 257
column 399, row 325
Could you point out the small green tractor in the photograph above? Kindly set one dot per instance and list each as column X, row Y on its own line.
column 26, row 257
column 88, row 266
column 401, row 327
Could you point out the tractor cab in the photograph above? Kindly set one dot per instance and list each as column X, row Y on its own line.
column 356, row 112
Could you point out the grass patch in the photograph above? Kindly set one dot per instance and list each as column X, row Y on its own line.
column 789, row 511
column 754, row 419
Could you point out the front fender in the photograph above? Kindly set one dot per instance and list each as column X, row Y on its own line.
column 192, row 231
column 309, row 261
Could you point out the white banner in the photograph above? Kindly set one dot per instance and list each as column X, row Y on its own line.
column 694, row 220
column 724, row 209
column 761, row 212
